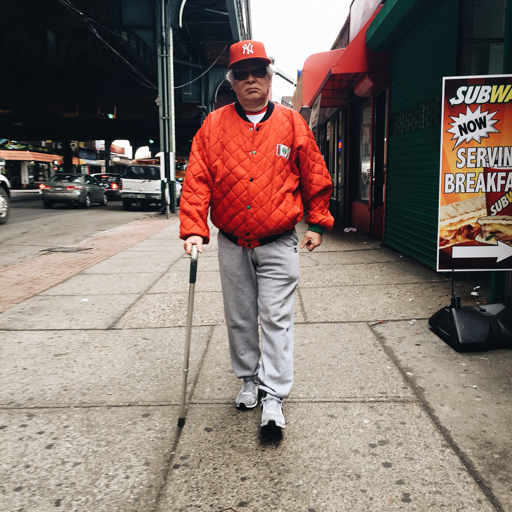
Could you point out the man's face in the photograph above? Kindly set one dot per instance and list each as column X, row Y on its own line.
column 251, row 91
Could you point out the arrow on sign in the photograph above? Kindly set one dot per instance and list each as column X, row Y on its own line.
column 501, row 251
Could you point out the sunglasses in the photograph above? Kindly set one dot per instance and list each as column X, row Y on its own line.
column 256, row 73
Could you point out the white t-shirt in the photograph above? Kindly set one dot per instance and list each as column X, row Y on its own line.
column 255, row 118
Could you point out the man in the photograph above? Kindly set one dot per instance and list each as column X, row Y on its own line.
column 256, row 166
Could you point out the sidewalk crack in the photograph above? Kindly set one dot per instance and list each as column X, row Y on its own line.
column 301, row 305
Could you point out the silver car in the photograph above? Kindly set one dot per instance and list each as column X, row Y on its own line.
column 72, row 188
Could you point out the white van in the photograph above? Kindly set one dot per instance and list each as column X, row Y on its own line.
column 142, row 183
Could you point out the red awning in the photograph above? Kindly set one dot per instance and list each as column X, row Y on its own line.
column 315, row 73
column 9, row 154
column 337, row 72
column 32, row 156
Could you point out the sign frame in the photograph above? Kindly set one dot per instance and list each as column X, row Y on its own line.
column 475, row 174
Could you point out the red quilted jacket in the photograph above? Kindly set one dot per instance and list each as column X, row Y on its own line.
column 257, row 181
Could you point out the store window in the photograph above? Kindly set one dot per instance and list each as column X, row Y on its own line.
column 340, row 153
column 482, row 37
column 13, row 173
column 363, row 192
column 379, row 136
column 332, row 164
column 41, row 172
column 334, row 156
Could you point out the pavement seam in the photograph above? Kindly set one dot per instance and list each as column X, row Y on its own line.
column 423, row 402
column 179, row 431
column 399, row 401
column 361, row 250
column 376, row 284
column 297, row 323
column 328, row 322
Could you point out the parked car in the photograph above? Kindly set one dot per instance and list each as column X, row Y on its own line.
column 111, row 183
column 5, row 197
column 72, row 188
column 142, row 182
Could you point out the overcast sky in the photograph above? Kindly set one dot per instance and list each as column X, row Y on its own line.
column 294, row 29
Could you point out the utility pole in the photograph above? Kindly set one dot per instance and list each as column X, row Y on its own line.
column 67, row 155
column 108, row 143
column 166, row 103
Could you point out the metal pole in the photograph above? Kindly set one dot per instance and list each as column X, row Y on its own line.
column 165, row 101
column 161, row 79
column 166, row 106
column 171, row 179
column 108, row 143
column 162, row 87
column 190, row 312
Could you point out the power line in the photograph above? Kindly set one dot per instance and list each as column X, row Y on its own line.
column 117, row 56
column 201, row 75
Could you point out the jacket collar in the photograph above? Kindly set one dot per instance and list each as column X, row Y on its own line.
column 241, row 112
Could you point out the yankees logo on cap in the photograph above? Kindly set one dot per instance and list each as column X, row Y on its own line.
column 247, row 50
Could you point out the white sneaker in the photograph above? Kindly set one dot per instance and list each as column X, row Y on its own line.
column 272, row 412
column 249, row 395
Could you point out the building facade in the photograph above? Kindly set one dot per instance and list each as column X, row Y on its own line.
column 374, row 101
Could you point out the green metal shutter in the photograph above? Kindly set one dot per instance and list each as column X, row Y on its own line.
column 418, row 62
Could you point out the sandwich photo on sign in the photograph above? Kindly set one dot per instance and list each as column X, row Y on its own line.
column 494, row 229
column 458, row 221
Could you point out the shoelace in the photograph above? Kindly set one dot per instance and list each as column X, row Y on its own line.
column 273, row 404
column 249, row 384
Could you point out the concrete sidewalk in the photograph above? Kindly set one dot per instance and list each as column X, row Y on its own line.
column 383, row 416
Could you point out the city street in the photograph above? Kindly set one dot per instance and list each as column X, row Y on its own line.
column 33, row 228
column 342, row 342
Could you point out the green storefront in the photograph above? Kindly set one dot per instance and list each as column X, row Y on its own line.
column 427, row 40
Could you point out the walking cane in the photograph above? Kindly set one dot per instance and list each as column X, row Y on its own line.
column 192, row 281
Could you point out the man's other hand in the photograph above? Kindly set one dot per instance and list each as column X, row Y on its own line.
column 311, row 240
column 193, row 240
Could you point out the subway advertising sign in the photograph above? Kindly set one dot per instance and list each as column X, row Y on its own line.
column 475, row 207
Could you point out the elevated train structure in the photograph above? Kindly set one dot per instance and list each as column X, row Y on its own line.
column 115, row 69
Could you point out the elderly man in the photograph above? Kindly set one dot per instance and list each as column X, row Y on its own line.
column 256, row 167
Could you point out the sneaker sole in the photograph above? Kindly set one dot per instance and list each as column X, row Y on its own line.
column 272, row 424
column 243, row 407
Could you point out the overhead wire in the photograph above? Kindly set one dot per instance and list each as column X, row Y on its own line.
column 202, row 74
column 117, row 56
column 89, row 21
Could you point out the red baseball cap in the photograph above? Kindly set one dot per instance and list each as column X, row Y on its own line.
column 247, row 50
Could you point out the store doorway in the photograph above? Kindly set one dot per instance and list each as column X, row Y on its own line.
column 366, row 165
column 335, row 152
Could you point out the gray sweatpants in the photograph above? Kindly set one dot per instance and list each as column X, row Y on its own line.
column 261, row 282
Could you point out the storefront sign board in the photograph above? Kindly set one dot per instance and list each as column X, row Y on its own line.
column 315, row 112
column 475, row 208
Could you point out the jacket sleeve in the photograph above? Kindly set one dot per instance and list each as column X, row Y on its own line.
column 315, row 180
column 197, row 188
